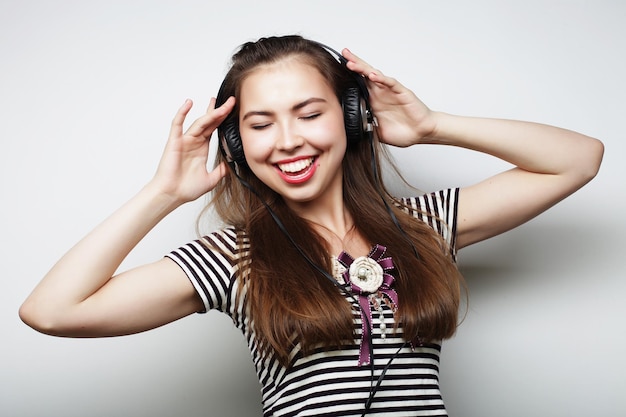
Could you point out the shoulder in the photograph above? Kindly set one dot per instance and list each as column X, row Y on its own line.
column 225, row 246
column 229, row 240
column 211, row 263
column 217, row 254
column 437, row 209
column 442, row 205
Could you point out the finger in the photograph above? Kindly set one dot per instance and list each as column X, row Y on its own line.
column 374, row 77
column 218, row 115
column 357, row 64
column 216, row 175
column 211, row 104
column 179, row 118
column 226, row 107
column 380, row 80
column 204, row 125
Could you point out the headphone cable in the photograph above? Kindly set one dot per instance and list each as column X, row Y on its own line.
column 373, row 386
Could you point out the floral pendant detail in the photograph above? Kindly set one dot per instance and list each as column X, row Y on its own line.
column 369, row 278
column 366, row 273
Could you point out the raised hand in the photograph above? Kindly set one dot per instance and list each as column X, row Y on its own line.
column 182, row 172
column 403, row 119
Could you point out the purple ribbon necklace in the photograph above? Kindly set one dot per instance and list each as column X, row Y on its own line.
column 369, row 279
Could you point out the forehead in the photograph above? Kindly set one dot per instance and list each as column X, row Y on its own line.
column 283, row 80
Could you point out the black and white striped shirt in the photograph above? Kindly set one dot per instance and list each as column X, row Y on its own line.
column 329, row 382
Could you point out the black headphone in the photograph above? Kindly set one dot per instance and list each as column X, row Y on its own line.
column 357, row 114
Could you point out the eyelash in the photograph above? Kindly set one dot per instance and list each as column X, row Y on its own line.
column 311, row 116
column 308, row 117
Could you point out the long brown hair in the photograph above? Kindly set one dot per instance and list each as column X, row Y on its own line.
column 289, row 301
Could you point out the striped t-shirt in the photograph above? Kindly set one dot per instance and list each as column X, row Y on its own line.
column 329, row 382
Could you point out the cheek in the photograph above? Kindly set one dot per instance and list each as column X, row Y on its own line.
column 331, row 134
column 256, row 148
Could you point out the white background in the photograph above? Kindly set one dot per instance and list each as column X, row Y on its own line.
column 87, row 92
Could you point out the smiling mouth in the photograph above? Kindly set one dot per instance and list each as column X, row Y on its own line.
column 297, row 172
column 296, row 167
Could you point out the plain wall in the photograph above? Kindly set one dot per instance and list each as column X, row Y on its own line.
column 87, row 92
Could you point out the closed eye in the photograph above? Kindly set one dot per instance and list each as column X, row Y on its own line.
column 311, row 116
column 260, row 126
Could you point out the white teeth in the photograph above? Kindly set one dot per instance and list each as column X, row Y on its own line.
column 296, row 166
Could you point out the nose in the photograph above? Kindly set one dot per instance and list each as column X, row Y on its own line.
column 289, row 138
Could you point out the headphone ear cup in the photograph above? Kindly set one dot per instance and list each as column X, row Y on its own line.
column 353, row 119
column 231, row 141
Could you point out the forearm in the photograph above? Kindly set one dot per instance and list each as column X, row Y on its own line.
column 88, row 265
column 530, row 146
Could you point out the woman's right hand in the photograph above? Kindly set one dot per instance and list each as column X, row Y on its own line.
column 182, row 173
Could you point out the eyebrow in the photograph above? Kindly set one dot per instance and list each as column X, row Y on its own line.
column 297, row 106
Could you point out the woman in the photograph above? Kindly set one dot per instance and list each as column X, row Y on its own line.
column 342, row 292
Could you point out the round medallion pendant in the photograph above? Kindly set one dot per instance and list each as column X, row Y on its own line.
column 366, row 273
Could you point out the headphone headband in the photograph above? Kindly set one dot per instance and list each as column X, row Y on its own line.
column 344, row 63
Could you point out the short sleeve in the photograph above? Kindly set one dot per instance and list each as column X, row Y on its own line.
column 209, row 265
column 439, row 211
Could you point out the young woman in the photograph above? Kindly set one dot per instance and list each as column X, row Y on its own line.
column 342, row 292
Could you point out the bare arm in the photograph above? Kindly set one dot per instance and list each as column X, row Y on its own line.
column 79, row 296
column 550, row 163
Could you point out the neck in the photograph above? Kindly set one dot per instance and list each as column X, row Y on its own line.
column 327, row 211
column 339, row 229
column 340, row 234
column 330, row 218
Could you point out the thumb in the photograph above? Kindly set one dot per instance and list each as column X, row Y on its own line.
column 216, row 175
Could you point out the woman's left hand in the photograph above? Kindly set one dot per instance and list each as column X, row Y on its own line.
column 403, row 119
